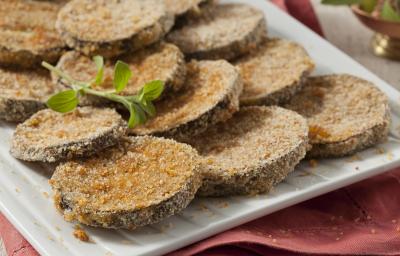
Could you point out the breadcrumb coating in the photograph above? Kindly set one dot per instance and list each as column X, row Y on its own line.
column 223, row 32
column 345, row 113
column 28, row 34
column 252, row 151
column 274, row 72
column 163, row 62
column 49, row 136
column 22, row 93
column 138, row 182
column 210, row 95
column 180, row 7
column 111, row 27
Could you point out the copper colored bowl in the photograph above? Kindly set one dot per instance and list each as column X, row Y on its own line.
column 386, row 41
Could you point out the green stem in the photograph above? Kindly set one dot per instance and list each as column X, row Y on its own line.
column 61, row 74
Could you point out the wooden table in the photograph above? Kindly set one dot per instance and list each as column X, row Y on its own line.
column 343, row 29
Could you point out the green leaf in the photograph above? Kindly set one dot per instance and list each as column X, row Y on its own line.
column 137, row 116
column 148, row 107
column 341, row 2
column 99, row 61
column 152, row 90
column 368, row 5
column 63, row 102
column 122, row 74
column 388, row 13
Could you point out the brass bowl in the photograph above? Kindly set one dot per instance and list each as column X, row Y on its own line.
column 386, row 41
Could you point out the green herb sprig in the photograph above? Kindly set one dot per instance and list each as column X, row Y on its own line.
column 140, row 106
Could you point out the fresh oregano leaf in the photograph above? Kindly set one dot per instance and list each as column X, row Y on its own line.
column 148, row 107
column 64, row 101
column 122, row 74
column 152, row 90
column 137, row 116
column 99, row 61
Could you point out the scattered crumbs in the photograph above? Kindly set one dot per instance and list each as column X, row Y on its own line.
column 165, row 227
column 380, row 151
column 127, row 241
column 313, row 163
column 390, row 156
column 80, row 234
column 203, row 207
column 354, row 158
column 45, row 194
column 373, row 231
column 17, row 190
column 304, row 173
column 274, row 240
column 58, row 228
column 50, row 238
column 108, row 254
column 223, row 204
column 394, row 221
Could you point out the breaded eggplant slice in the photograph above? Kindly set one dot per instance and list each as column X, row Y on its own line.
column 162, row 61
column 139, row 182
column 23, row 93
column 110, row 28
column 345, row 113
column 252, row 151
column 49, row 136
column 224, row 32
column 210, row 95
column 274, row 73
column 27, row 33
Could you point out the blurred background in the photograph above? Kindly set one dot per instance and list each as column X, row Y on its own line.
column 343, row 29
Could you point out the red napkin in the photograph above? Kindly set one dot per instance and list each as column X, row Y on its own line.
column 363, row 219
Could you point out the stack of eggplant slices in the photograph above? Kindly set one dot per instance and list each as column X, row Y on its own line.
column 144, row 105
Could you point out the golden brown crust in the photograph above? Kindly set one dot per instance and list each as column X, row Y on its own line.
column 162, row 61
column 49, row 136
column 274, row 72
column 110, row 28
column 210, row 95
column 223, row 32
column 345, row 114
column 252, row 151
column 23, row 93
column 27, row 33
column 180, row 7
column 139, row 182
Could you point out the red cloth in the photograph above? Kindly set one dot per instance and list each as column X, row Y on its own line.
column 363, row 219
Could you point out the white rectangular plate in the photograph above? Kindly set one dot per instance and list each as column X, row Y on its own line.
column 24, row 189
